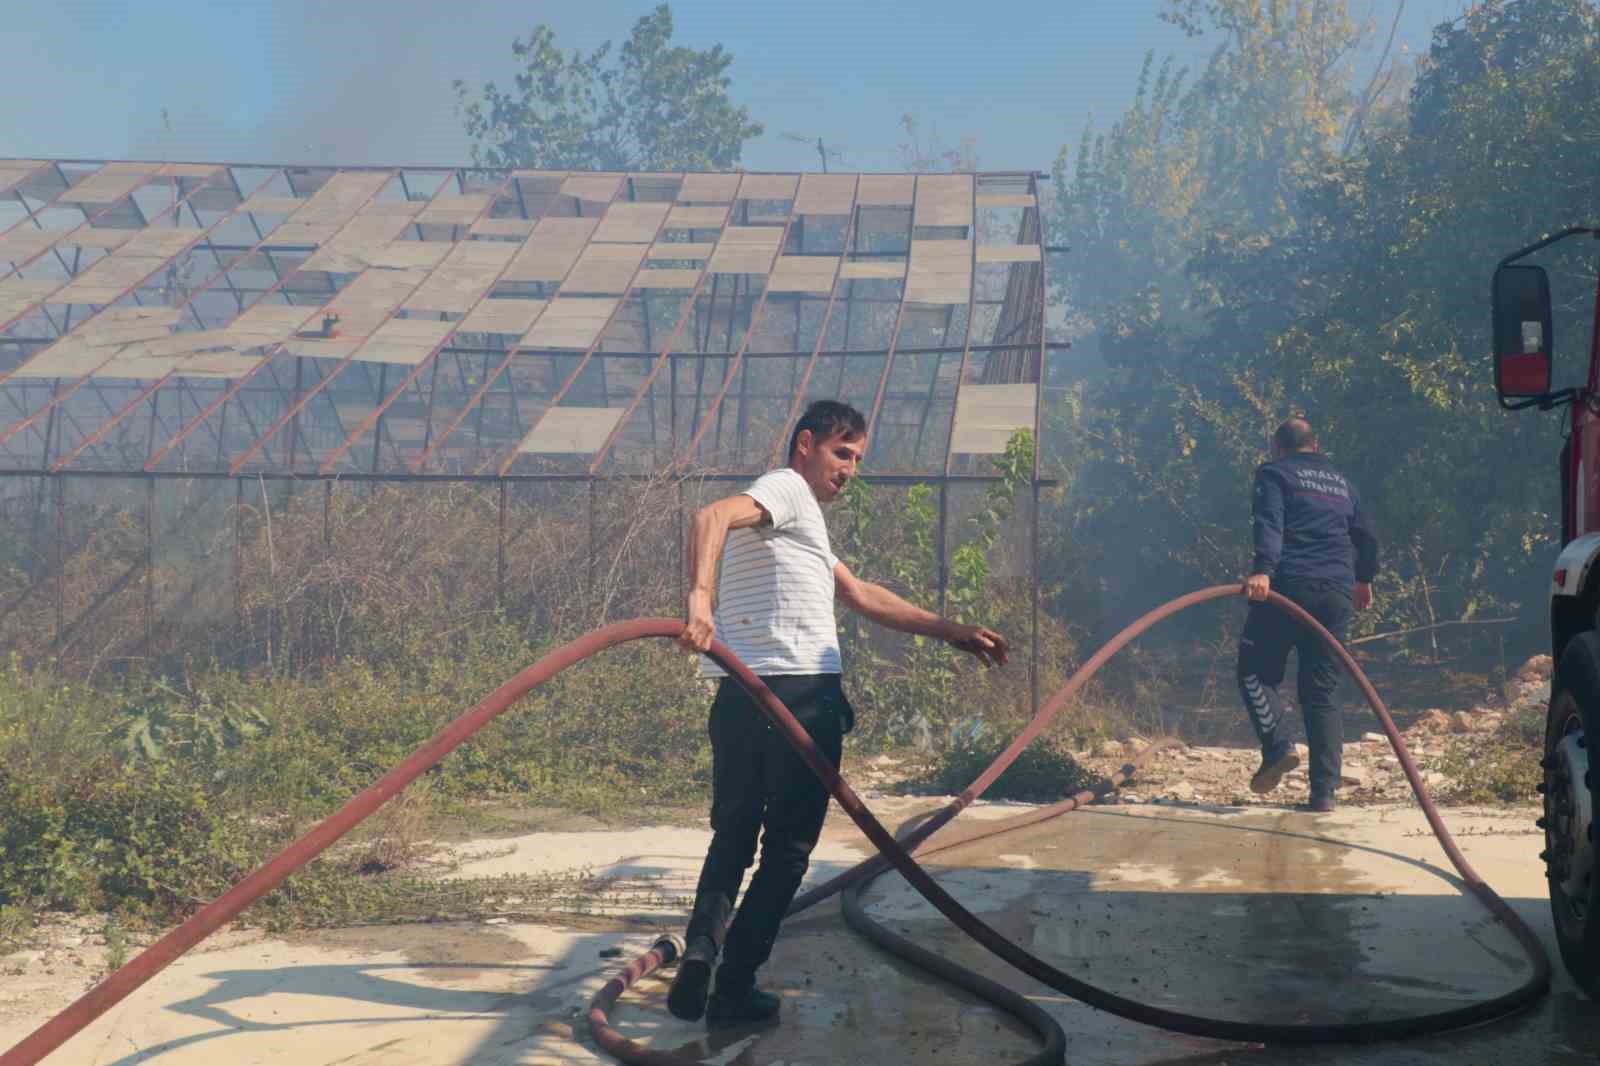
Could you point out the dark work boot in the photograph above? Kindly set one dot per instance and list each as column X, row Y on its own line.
column 751, row 1007
column 687, row 998
column 1274, row 764
column 1318, row 804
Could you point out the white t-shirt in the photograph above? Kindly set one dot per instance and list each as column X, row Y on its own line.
column 775, row 589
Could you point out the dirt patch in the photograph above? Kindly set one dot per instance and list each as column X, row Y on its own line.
column 1199, row 703
column 446, row 942
column 1220, row 774
column 496, row 821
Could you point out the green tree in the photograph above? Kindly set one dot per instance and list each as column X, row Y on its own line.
column 1166, row 422
column 1394, row 251
column 651, row 106
column 1368, row 309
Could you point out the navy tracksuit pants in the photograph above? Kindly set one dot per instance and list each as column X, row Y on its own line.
column 1269, row 634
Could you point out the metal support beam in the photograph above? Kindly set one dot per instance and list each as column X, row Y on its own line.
column 1033, row 602
column 736, row 362
column 238, row 554
column 227, row 394
column 899, row 315
column 326, row 378
column 678, row 559
column 944, row 545
column 149, row 564
column 588, row 576
column 61, row 559
column 500, row 554
column 475, row 479
column 851, row 232
column 86, row 377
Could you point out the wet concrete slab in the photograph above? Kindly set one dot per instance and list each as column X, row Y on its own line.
column 1258, row 914
column 1262, row 916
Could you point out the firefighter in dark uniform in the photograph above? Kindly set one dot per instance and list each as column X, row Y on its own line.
column 1315, row 546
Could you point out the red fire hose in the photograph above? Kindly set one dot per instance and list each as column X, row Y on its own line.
column 898, row 855
column 208, row 919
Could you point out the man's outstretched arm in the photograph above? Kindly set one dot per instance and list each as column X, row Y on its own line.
column 707, row 534
column 885, row 608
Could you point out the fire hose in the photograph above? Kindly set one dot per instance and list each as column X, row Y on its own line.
column 891, row 852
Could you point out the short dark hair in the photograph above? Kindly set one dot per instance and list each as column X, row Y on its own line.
column 824, row 418
column 1295, row 435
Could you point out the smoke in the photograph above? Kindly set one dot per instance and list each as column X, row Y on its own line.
column 358, row 84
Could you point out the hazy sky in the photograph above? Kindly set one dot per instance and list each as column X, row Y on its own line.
column 368, row 81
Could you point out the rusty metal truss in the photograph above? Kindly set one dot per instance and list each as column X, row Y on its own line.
column 206, row 320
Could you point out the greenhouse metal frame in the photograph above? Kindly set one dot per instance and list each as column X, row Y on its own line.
column 433, row 324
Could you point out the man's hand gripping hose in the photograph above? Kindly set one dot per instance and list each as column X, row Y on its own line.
column 894, row 853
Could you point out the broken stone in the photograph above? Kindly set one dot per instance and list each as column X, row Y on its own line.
column 1434, row 719
column 1110, row 749
column 1183, row 790
column 1461, row 722
column 1354, row 776
column 1537, row 668
column 1374, row 738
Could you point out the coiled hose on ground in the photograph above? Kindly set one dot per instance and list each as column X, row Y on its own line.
column 894, row 853
column 898, row 854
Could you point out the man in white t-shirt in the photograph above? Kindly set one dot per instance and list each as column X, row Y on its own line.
column 775, row 598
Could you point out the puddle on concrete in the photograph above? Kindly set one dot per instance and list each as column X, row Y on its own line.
column 1265, row 922
column 1263, row 925
column 862, row 1007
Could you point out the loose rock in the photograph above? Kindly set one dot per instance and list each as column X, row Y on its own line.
column 1538, row 668
column 1435, row 719
column 1354, row 776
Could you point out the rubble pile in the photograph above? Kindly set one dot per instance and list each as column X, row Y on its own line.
column 1371, row 774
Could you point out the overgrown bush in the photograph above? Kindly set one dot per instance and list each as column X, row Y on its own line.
column 319, row 639
column 1497, row 767
column 1043, row 773
column 920, row 691
column 150, row 799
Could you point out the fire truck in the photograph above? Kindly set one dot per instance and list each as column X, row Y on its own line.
column 1523, row 363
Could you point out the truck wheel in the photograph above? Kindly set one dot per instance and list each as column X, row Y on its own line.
column 1570, row 845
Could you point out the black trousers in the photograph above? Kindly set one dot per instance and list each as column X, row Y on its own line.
column 1269, row 633
column 759, row 785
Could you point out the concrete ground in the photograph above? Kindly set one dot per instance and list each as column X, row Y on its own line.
column 1255, row 914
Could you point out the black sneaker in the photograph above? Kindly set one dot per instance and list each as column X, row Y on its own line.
column 1272, row 770
column 687, row 998
column 1316, row 805
column 752, row 1008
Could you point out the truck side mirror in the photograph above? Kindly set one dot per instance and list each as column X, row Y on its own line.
column 1522, row 332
